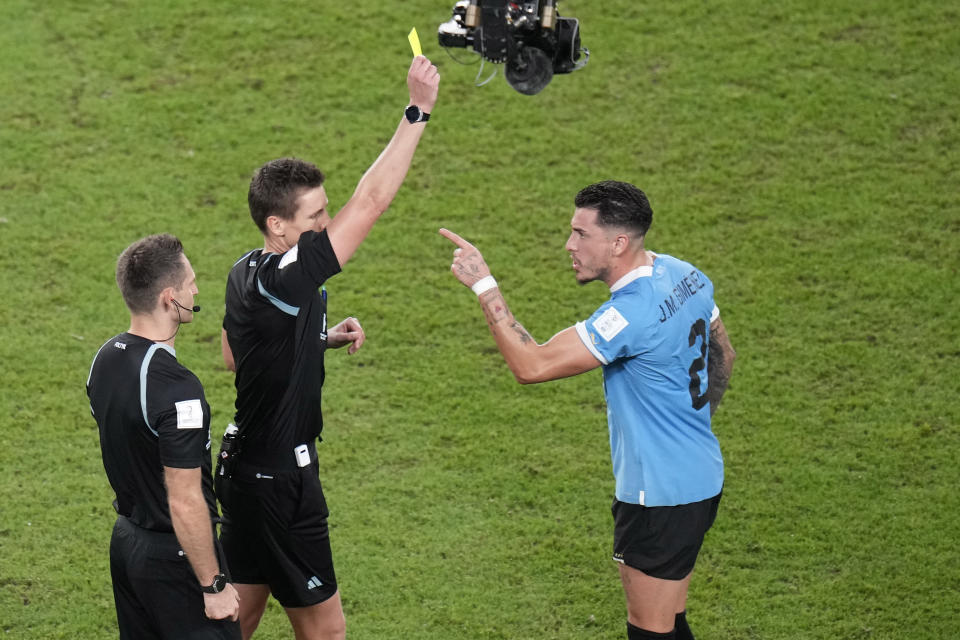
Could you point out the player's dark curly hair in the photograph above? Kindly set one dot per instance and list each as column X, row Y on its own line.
column 618, row 204
column 276, row 186
column 147, row 267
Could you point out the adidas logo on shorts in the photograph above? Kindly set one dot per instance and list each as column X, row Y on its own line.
column 314, row 583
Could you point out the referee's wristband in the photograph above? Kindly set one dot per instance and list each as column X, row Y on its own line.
column 483, row 285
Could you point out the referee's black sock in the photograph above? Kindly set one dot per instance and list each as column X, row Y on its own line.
column 681, row 627
column 636, row 633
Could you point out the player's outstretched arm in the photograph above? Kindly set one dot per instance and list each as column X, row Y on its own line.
column 562, row 356
column 382, row 180
column 719, row 363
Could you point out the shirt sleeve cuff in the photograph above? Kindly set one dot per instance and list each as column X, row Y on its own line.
column 581, row 328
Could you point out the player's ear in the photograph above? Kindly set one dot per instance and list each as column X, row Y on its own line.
column 275, row 225
column 621, row 243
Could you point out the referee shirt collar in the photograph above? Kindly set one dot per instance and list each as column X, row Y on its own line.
column 640, row 272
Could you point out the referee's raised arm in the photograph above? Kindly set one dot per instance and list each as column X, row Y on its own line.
column 382, row 180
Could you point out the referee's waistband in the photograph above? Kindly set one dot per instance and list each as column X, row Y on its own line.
column 253, row 462
column 125, row 522
column 165, row 541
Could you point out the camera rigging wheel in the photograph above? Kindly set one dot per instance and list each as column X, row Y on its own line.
column 530, row 71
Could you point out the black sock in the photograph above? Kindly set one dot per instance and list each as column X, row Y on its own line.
column 636, row 633
column 682, row 628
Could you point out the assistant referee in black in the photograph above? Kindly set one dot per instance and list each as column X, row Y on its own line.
column 154, row 421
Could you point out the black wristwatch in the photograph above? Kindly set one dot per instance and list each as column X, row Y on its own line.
column 219, row 584
column 415, row 114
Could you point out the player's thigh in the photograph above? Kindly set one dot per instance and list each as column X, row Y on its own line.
column 662, row 542
column 652, row 603
column 322, row 621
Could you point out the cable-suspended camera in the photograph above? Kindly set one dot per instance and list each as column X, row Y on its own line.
column 530, row 38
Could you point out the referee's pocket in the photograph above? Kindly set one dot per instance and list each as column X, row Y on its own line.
column 312, row 509
column 165, row 561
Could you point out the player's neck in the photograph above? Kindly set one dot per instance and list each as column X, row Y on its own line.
column 642, row 258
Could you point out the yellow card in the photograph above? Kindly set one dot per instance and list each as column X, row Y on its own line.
column 414, row 42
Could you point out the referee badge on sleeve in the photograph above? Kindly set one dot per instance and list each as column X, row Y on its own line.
column 189, row 414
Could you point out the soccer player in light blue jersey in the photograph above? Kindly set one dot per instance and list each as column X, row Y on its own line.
column 666, row 362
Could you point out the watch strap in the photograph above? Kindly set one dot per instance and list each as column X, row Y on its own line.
column 218, row 585
column 414, row 114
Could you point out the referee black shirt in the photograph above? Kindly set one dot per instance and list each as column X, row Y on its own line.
column 276, row 324
column 151, row 413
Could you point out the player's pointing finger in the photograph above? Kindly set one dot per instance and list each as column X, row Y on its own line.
column 455, row 239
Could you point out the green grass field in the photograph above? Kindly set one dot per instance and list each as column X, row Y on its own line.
column 804, row 154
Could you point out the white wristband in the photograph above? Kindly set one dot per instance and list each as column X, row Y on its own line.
column 483, row 285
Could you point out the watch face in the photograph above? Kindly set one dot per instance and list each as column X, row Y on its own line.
column 219, row 584
column 413, row 113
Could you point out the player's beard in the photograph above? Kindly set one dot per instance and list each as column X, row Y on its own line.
column 589, row 272
column 599, row 274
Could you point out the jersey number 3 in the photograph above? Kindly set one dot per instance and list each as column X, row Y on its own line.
column 698, row 329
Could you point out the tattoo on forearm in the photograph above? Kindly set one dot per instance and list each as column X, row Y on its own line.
column 497, row 313
column 494, row 308
column 719, row 367
column 520, row 331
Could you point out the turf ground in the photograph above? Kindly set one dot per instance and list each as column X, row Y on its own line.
column 803, row 154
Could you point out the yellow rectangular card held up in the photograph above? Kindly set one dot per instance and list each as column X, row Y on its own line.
column 415, row 42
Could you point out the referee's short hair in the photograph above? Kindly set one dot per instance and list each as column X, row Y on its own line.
column 618, row 204
column 147, row 267
column 276, row 186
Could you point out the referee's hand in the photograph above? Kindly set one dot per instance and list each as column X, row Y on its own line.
column 423, row 82
column 468, row 265
column 223, row 605
column 347, row 332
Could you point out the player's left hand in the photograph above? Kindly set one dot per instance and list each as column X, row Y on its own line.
column 468, row 265
column 346, row 332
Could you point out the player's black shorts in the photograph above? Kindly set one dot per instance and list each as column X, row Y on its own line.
column 663, row 542
column 155, row 590
column 274, row 532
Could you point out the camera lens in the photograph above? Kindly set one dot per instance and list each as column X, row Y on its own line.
column 530, row 71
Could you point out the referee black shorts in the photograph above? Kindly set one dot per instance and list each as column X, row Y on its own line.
column 156, row 592
column 274, row 532
column 662, row 542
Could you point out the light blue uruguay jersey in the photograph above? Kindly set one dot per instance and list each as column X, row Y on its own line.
column 651, row 337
